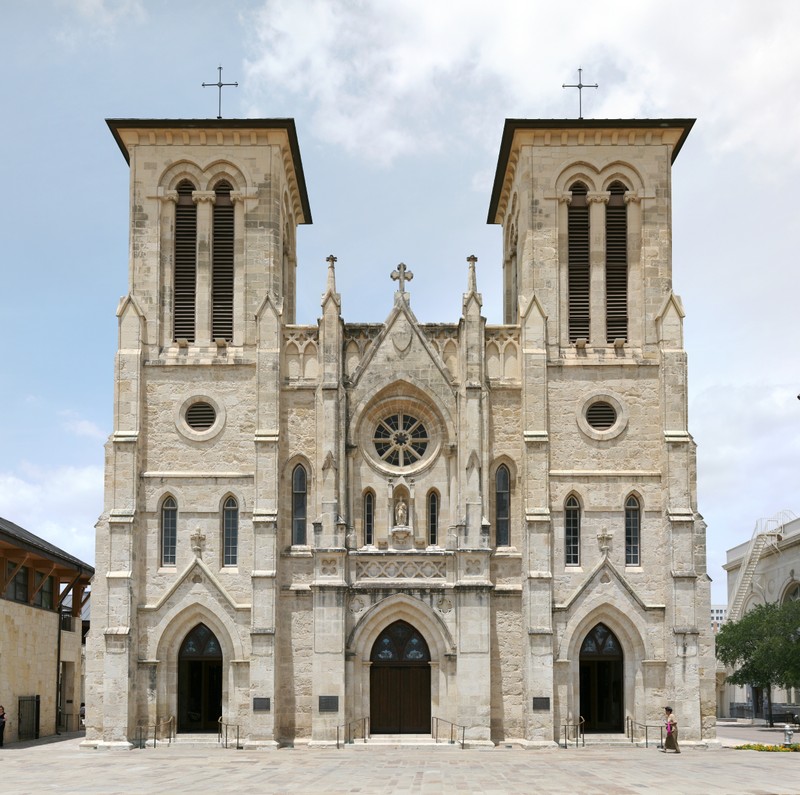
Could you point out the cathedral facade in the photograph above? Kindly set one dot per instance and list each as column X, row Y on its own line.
column 493, row 526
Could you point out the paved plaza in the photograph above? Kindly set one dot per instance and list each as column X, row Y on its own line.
column 62, row 767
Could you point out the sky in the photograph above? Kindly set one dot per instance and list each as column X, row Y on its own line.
column 399, row 108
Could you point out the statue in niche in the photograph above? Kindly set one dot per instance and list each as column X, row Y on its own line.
column 401, row 513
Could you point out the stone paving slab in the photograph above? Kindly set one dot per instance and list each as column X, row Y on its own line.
column 62, row 767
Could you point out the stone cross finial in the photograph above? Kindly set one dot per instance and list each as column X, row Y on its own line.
column 219, row 84
column 330, row 259
column 198, row 542
column 402, row 274
column 472, row 283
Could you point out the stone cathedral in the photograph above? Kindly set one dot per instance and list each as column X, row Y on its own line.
column 308, row 525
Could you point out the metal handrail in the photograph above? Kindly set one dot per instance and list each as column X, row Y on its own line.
column 222, row 728
column 143, row 731
column 454, row 727
column 630, row 724
column 580, row 732
column 349, row 735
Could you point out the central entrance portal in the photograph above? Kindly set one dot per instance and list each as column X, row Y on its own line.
column 601, row 681
column 199, row 681
column 400, row 682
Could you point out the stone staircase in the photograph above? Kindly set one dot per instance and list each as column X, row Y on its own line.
column 422, row 741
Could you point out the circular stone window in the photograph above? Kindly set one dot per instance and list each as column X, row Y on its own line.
column 400, row 440
column 602, row 416
column 200, row 418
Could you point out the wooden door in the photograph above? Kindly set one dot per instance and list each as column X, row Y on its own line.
column 400, row 682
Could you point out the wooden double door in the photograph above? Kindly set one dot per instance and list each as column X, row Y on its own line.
column 400, row 682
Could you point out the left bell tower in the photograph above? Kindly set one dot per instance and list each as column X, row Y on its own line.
column 190, row 484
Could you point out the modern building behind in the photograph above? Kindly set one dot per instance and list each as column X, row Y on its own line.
column 44, row 589
column 763, row 570
column 493, row 525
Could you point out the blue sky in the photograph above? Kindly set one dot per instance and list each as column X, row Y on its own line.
column 399, row 109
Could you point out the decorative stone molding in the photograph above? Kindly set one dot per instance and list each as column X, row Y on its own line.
column 400, row 569
column 599, row 196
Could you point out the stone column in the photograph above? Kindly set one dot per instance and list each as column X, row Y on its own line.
column 597, row 266
column 205, row 202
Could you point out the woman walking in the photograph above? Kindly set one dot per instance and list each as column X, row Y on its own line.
column 672, row 731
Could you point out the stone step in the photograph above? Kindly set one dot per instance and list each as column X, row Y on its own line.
column 401, row 741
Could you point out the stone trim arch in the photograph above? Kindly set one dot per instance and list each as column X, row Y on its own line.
column 631, row 631
column 177, row 172
column 577, row 171
column 400, row 606
column 619, row 171
column 223, row 169
column 170, row 630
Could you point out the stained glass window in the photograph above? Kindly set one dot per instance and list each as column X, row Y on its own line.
column 400, row 439
column 400, row 642
column 601, row 642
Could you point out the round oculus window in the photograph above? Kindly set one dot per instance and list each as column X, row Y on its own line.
column 200, row 416
column 601, row 415
column 400, row 440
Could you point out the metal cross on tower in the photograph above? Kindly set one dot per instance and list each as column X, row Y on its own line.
column 402, row 275
column 219, row 84
column 580, row 85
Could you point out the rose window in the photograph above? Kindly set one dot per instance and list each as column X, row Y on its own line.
column 400, row 440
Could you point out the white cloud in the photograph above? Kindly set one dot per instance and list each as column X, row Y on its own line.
column 97, row 19
column 379, row 76
column 76, row 425
column 60, row 505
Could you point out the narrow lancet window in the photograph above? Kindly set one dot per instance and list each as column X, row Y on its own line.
column 578, row 263
column 230, row 533
column 572, row 532
column 222, row 264
column 299, row 506
column 169, row 531
column 433, row 519
column 616, row 264
column 502, row 506
column 369, row 519
column 632, row 532
column 185, row 276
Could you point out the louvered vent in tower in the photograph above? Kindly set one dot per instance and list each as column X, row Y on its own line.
column 222, row 265
column 578, row 258
column 185, row 287
column 616, row 264
column 601, row 415
column 200, row 416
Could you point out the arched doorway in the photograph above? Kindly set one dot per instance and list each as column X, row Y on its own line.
column 601, row 680
column 400, row 682
column 199, row 681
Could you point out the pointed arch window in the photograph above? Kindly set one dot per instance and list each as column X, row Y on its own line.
column 633, row 521
column 369, row 519
column 299, row 505
column 185, row 272
column 169, row 531
column 572, row 532
column 222, row 264
column 616, row 264
column 502, row 506
column 433, row 519
column 578, row 262
column 230, row 532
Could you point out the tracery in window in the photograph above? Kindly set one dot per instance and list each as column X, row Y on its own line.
column 400, row 439
column 400, row 642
